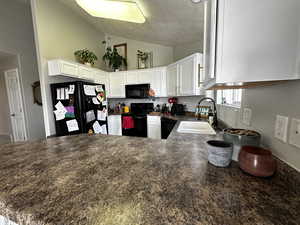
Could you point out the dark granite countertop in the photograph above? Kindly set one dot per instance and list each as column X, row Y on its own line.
column 113, row 180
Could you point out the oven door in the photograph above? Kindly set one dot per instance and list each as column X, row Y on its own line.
column 137, row 91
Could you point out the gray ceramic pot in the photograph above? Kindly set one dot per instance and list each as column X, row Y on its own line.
column 219, row 153
column 239, row 141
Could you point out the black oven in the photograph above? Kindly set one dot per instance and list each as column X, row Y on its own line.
column 137, row 91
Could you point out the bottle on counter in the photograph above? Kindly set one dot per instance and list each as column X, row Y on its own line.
column 210, row 117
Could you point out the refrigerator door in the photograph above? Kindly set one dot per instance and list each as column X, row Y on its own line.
column 67, row 108
column 94, row 108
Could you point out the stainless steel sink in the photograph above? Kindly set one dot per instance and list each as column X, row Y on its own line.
column 193, row 127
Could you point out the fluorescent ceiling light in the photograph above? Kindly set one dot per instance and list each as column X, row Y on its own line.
column 117, row 10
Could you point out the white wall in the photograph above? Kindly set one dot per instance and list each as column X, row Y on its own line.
column 59, row 32
column 162, row 55
column 266, row 103
column 184, row 50
column 17, row 38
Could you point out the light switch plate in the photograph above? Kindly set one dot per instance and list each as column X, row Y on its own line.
column 247, row 116
column 295, row 133
column 281, row 128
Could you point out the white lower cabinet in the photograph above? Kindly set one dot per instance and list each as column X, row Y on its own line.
column 114, row 125
column 154, row 127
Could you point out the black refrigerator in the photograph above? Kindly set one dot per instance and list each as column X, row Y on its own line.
column 79, row 107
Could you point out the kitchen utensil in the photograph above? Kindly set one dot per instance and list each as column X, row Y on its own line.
column 219, row 153
column 239, row 138
column 257, row 161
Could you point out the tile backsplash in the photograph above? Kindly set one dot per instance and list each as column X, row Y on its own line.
column 190, row 101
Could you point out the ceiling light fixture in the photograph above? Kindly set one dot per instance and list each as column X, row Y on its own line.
column 197, row 1
column 117, row 10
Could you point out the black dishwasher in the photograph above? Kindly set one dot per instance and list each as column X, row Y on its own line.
column 167, row 126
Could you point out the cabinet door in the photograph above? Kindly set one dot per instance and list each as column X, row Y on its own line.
column 257, row 40
column 156, row 78
column 187, row 76
column 102, row 78
column 210, row 32
column 132, row 77
column 172, row 73
column 117, row 85
column 154, row 127
column 85, row 73
column 114, row 125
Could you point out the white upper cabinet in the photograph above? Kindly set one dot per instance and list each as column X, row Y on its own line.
column 102, row 77
column 132, row 77
column 156, row 77
column 255, row 41
column 60, row 67
column 189, row 76
column 172, row 76
column 185, row 76
column 117, row 85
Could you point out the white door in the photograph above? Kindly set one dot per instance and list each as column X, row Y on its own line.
column 15, row 105
column 172, row 72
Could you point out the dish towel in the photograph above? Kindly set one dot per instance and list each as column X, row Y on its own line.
column 128, row 122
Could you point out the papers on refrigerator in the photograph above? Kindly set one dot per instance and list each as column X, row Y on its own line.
column 95, row 101
column 59, row 115
column 104, row 129
column 97, row 128
column 72, row 125
column 59, row 106
column 90, row 116
column 89, row 90
column 71, row 89
column 99, row 88
column 101, row 115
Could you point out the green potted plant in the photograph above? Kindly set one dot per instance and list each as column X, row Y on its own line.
column 86, row 57
column 115, row 61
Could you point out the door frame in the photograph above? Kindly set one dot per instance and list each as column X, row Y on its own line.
column 21, row 99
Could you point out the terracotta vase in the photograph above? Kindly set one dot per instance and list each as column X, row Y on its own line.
column 257, row 161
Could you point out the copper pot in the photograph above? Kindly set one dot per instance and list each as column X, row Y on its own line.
column 257, row 161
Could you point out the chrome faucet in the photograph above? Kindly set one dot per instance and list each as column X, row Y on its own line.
column 215, row 119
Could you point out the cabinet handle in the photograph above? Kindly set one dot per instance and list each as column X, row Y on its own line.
column 200, row 68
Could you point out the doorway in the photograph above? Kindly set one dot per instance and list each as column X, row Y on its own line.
column 12, row 118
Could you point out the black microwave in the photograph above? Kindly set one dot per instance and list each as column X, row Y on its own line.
column 137, row 90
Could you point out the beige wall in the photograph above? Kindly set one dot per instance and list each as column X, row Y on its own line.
column 59, row 32
column 162, row 55
column 266, row 103
column 181, row 51
column 17, row 38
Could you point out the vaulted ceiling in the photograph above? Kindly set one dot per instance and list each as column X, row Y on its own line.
column 168, row 22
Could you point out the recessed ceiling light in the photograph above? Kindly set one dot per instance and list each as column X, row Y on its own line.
column 117, row 10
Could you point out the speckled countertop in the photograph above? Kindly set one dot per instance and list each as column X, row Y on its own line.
column 110, row 180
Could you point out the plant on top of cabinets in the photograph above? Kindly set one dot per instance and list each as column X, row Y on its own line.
column 114, row 59
column 86, row 57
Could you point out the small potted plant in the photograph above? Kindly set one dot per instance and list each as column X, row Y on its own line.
column 142, row 57
column 115, row 61
column 86, row 57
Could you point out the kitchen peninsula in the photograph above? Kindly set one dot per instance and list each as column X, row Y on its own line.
column 99, row 179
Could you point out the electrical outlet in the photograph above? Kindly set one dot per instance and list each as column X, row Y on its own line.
column 295, row 133
column 247, row 116
column 281, row 128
